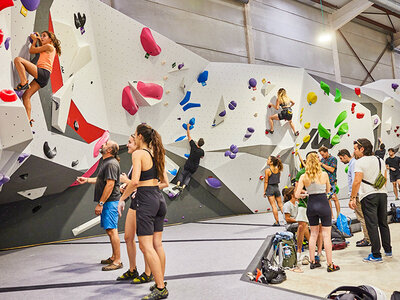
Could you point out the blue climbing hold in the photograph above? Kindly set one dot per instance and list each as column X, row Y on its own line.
column 192, row 121
column 186, row 155
column 203, row 76
column 184, row 125
column 186, row 99
column 180, row 138
column 191, row 105
column 173, row 172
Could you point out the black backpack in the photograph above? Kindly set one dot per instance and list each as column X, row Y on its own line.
column 395, row 213
column 350, row 293
column 395, row 296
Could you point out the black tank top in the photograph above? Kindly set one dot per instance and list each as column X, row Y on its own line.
column 150, row 173
column 274, row 178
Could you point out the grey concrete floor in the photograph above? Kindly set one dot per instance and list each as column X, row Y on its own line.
column 205, row 260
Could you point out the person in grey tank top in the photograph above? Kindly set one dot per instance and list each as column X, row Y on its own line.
column 271, row 186
column 318, row 208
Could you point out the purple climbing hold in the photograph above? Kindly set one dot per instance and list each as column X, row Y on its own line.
column 180, row 66
column 22, row 157
column 250, row 129
column 247, row 135
column 171, row 195
column 234, row 148
column 7, row 43
column 227, row 153
column 183, row 217
column 165, row 220
column 232, row 105
column 30, row 5
column 222, row 113
column 395, row 86
column 4, row 179
column 376, row 121
column 232, row 155
column 213, row 182
column 19, row 93
column 252, row 83
column 191, row 105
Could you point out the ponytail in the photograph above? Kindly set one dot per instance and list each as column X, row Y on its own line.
column 56, row 42
column 276, row 162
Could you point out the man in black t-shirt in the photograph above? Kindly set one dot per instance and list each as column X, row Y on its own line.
column 107, row 194
column 192, row 162
column 393, row 165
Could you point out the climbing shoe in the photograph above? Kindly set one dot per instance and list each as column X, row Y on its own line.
column 332, row 268
column 128, row 275
column 143, row 278
column 157, row 294
column 155, row 285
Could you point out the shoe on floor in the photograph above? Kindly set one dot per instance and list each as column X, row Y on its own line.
column 371, row 258
column 332, row 268
column 157, row 294
column 305, row 260
column 389, row 254
column 276, row 224
column 363, row 243
column 107, row 261
column 315, row 264
column 128, row 275
column 155, row 285
column 143, row 278
column 112, row 267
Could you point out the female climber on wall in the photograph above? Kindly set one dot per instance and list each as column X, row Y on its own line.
column 286, row 114
column 271, row 186
column 49, row 47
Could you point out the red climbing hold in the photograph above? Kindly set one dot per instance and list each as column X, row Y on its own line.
column 6, row 3
column 360, row 115
column 353, row 105
column 256, row 211
column 261, row 177
column 8, row 95
column 358, row 91
column 1, row 36
column 397, row 127
column 266, row 131
column 148, row 43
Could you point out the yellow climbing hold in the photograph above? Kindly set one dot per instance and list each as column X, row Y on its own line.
column 297, row 145
column 301, row 120
column 312, row 98
column 263, row 80
column 302, row 110
column 306, row 139
column 307, row 125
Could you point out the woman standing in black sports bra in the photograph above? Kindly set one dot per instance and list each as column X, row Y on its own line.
column 271, row 186
column 148, row 168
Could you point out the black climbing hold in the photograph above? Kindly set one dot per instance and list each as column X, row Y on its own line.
column 57, row 104
column 48, row 152
column 24, row 176
column 91, row 82
column 76, row 125
column 179, row 119
column 74, row 163
column 79, row 20
column 36, row 208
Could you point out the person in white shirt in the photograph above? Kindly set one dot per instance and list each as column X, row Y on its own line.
column 373, row 200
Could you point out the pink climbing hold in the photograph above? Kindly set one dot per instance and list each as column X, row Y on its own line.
column 8, row 95
column 128, row 102
column 103, row 139
column 148, row 43
column 360, row 115
column 150, row 90
column 88, row 173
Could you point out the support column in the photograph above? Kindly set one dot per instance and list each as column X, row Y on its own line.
column 335, row 54
column 249, row 34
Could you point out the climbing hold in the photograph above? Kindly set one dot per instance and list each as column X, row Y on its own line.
column 48, row 152
column 340, row 118
column 150, row 90
column 6, row 3
column 323, row 132
column 346, row 169
column 148, row 43
column 7, row 43
column 247, row 135
column 192, row 121
column 222, row 113
column 253, row 98
column 227, row 153
column 30, row 5
column 180, row 66
column 306, row 139
column 335, row 140
column 256, row 211
column 325, row 87
column 76, row 125
column 165, row 220
column 103, row 139
column 360, row 115
column 234, row 149
column 343, row 129
column 213, row 182
column 311, row 98
column 166, row 104
column 357, row 90
column 301, row 120
column 24, row 176
column 353, row 105
column 266, row 131
column 184, row 125
column 261, row 177
column 74, row 163
column 186, row 155
column 307, row 125
column 200, row 206
column 8, row 95
column 22, row 157
column 173, row 172
column 128, row 102
column 163, row 62
column 1, row 37
column 186, row 98
column 250, row 129
column 255, row 115
column 394, row 85
column 202, row 78
column 165, row 77
column 80, row 22
column 4, row 179
column 190, row 105
column 180, row 138
column 302, row 109
column 183, row 217
column 232, row 105
column 252, row 84
column 338, row 96
column 232, row 155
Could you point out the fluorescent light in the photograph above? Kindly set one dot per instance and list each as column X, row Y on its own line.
column 325, row 37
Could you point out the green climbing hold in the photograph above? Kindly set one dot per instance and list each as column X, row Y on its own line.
column 337, row 189
column 325, row 87
column 323, row 132
column 338, row 96
column 343, row 129
column 341, row 117
column 335, row 140
column 346, row 169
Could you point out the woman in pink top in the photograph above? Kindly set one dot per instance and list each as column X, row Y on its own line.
column 49, row 47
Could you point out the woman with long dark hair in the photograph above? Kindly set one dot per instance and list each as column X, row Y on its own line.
column 271, row 186
column 148, row 168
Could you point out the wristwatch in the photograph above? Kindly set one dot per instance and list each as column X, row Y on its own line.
column 101, row 203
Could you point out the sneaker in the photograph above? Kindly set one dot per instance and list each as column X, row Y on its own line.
column 128, row 275
column 315, row 264
column 321, row 257
column 332, row 268
column 155, row 285
column 388, row 254
column 305, row 260
column 371, row 258
column 107, row 261
column 143, row 278
column 276, row 224
column 112, row 267
column 157, row 294
column 363, row 243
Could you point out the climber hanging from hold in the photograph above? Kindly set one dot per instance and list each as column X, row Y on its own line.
column 48, row 47
column 286, row 114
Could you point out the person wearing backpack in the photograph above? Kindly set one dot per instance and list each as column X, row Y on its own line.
column 369, row 182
